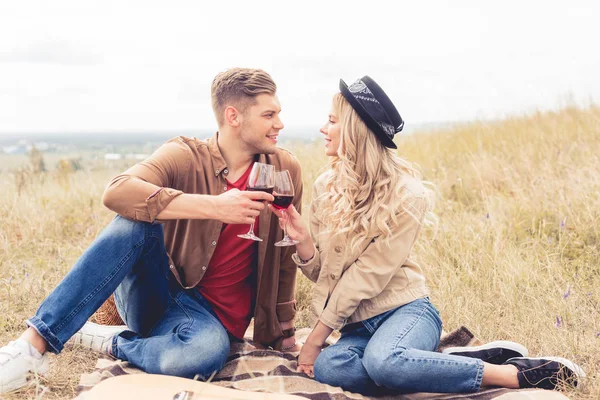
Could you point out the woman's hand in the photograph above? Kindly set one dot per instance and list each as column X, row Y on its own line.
column 312, row 348
column 306, row 359
column 296, row 228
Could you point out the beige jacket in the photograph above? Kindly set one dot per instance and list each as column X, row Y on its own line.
column 352, row 286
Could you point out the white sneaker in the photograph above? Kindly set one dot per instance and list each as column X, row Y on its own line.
column 96, row 337
column 17, row 360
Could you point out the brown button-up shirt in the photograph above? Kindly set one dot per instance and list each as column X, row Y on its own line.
column 189, row 165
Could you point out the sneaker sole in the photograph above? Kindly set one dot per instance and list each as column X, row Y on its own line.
column 14, row 385
column 20, row 383
column 504, row 344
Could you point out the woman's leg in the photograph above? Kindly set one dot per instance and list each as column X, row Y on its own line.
column 401, row 354
column 341, row 364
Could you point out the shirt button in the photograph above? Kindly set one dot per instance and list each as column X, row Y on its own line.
column 171, row 266
column 225, row 188
column 332, row 276
column 338, row 249
column 217, row 171
column 214, row 243
column 204, row 268
column 225, row 171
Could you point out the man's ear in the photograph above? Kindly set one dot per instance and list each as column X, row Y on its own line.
column 232, row 116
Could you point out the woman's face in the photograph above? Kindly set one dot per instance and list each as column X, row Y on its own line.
column 331, row 130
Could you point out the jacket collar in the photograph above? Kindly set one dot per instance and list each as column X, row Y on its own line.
column 219, row 163
column 217, row 158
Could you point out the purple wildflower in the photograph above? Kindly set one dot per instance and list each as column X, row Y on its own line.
column 567, row 293
column 558, row 323
column 487, row 215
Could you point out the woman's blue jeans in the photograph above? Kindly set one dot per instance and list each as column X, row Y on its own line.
column 172, row 331
column 395, row 352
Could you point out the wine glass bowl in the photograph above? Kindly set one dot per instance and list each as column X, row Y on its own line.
column 283, row 193
column 261, row 179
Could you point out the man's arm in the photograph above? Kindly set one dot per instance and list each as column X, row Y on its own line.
column 147, row 192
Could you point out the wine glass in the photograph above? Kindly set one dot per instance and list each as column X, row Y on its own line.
column 261, row 179
column 284, row 194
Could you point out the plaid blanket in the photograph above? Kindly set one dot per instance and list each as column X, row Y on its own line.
column 249, row 368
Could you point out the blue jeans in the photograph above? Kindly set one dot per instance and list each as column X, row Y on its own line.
column 172, row 331
column 395, row 352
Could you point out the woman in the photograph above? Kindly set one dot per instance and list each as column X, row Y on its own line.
column 366, row 214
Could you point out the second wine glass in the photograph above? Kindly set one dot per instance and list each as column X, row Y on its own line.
column 284, row 195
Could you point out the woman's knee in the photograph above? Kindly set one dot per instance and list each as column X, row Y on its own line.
column 387, row 369
column 333, row 363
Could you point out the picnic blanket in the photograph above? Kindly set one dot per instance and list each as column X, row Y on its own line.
column 249, row 368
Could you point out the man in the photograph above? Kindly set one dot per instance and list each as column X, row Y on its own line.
column 187, row 285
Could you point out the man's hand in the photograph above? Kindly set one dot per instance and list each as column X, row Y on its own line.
column 237, row 207
column 306, row 359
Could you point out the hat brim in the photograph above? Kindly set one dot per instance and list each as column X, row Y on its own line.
column 366, row 117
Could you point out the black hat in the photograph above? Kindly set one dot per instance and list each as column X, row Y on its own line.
column 374, row 108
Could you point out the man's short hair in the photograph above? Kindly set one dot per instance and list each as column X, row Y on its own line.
column 239, row 87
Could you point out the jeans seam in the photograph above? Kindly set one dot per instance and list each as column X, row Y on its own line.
column 409, row 328
column 479, row 378
column 86, row 300
column 153, row 245
column 190, row 317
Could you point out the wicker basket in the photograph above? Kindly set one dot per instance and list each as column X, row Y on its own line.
column 107, row 313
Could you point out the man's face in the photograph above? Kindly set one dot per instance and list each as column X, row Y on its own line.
column 261, row 125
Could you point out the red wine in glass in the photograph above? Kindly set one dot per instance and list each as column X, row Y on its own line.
column 261, row 189
column 282, row 202
column 261, row 179
column 284, row 194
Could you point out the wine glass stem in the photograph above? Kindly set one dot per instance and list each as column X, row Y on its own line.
column 285, row 226
column 251, row 231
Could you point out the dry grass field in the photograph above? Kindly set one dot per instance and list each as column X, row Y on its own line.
column 516, row 255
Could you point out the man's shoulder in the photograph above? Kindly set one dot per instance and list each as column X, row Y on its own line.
column 189, row 142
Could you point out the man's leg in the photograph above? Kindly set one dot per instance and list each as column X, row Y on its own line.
column 188, row 340
column 121, row 246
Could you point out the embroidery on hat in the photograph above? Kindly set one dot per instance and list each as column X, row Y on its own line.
column 374, row 100
column 357, row 87
column 388, row 129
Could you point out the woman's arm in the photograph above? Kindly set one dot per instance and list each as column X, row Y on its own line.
column 312, row 348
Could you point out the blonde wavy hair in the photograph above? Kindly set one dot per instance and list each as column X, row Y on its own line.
column 363, row 197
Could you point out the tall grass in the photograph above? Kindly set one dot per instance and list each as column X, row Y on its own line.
column 515, row 256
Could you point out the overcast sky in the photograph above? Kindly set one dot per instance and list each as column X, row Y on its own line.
column 147, row 65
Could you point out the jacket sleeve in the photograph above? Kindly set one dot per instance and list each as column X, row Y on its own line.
column 312, row 267
column 144, row 190
column 375, row 267
column 286, row 303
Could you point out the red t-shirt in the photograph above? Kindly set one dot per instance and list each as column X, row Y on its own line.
column 227, row 285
